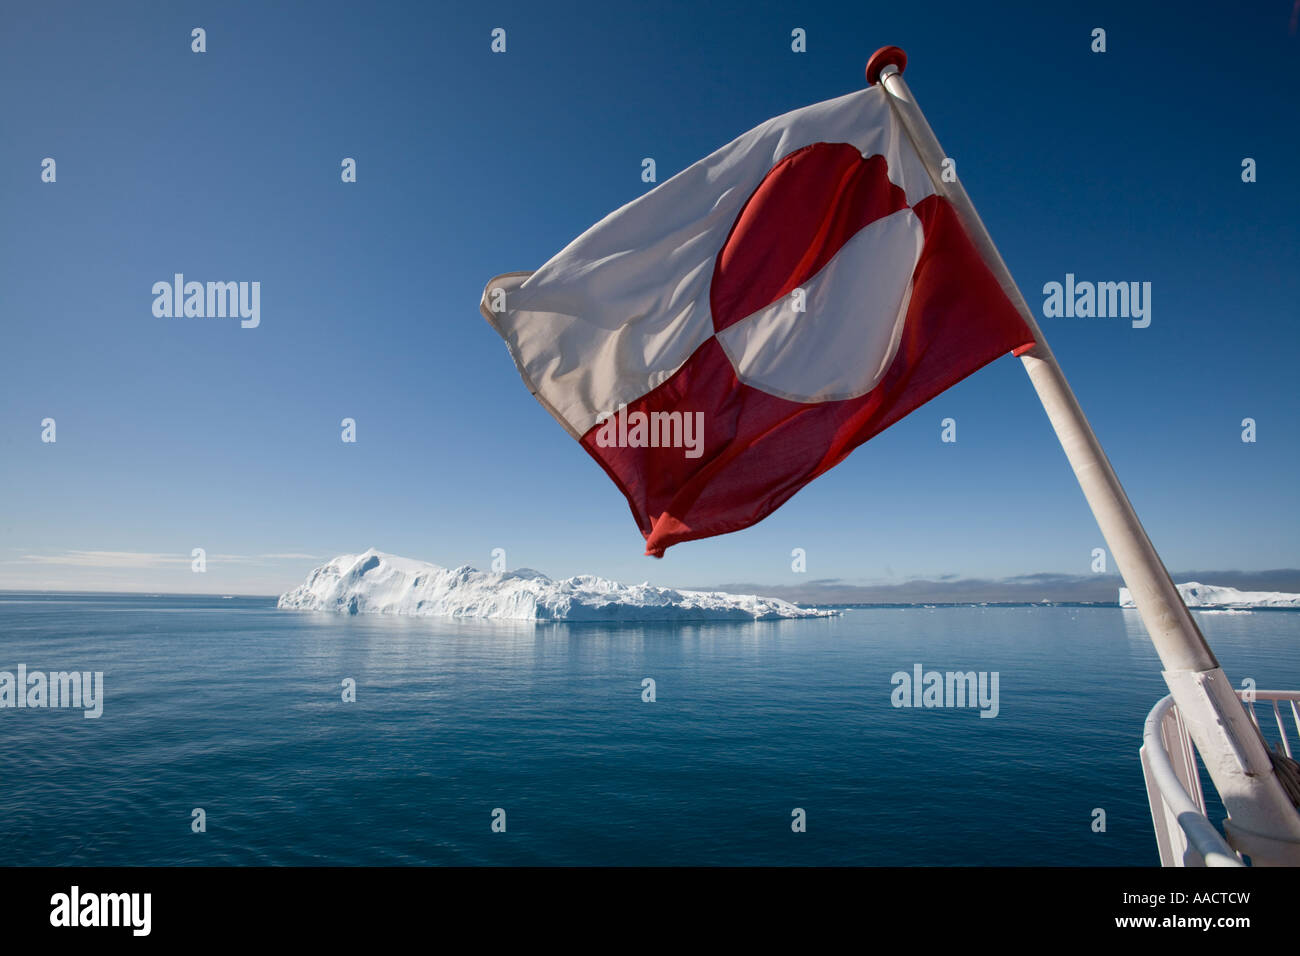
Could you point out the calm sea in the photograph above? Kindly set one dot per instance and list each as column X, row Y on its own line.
column 236, row 708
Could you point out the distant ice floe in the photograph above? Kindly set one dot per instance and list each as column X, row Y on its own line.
column 1208, row 596
column 379, row 583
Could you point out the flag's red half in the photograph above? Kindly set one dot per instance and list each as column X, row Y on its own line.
column 758, row 449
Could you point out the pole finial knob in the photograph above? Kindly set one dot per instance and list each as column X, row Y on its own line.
column 882, row 58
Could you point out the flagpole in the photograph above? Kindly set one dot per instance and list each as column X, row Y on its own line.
column 1263, row 823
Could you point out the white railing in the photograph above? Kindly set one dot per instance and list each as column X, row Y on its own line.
column 1184, row 834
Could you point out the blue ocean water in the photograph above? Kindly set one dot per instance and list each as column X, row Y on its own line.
column 236, row 708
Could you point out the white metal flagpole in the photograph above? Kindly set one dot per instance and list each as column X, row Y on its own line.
column 1262, row 822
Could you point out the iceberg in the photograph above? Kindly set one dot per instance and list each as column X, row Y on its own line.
column 379, row 583
column 1197, row 595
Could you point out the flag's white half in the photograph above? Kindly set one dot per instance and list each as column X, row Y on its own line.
column 624, row 305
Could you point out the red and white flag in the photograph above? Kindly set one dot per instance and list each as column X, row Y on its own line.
column 724, row 339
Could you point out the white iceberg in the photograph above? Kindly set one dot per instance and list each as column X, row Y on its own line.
column 378, row 583
column 1197, row 595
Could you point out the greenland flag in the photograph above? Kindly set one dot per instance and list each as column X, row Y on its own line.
column 727, row 337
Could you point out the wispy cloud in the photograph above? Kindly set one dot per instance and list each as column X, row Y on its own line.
column 150, row 559
column 105, row 559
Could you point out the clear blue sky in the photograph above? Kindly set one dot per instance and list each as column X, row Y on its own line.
column 175, row 434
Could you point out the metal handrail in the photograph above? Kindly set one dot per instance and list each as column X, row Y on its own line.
column 1292, row 697
column 1185, row 835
